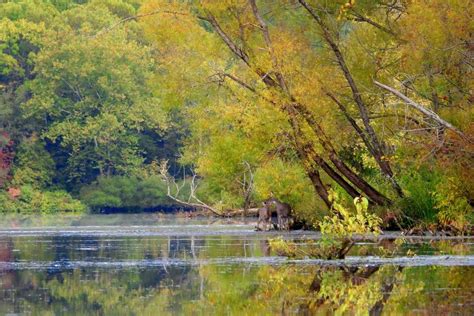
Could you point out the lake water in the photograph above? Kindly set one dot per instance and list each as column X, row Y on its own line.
column 151, row 264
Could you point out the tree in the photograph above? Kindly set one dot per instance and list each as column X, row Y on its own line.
column 87, row 97
column 269, row 85
column 318, row 80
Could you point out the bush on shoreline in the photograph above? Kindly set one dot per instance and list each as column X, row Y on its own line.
column 27, row 199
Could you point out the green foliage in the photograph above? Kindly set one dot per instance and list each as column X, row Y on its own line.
column 95, row 94
column 419, row 203
column 432, row 198
column 344, row 223
column 125, row 193
column 82, row 92
column 33, row 165
column 35, row 201
column 453, row 206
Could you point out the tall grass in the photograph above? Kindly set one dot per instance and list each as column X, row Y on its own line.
column 419, row 204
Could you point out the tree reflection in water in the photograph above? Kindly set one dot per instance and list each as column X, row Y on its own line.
column 200, row 287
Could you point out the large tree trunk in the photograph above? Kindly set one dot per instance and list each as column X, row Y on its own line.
column 345, row 170
column 311, row 159
column 305, row 150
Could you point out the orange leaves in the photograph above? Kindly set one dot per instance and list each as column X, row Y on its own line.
column 14, row 192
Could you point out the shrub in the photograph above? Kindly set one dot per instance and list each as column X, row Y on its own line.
column 453, row 206
column 32, row 200
column 33, row 165
column 337, row 231
column 345, row 222
column 125, row 192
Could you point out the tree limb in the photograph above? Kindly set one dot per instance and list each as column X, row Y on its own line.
column 376, row 148
column 349, row 118
column 359, row 17
column 192, row 195
column 268, row 43
column 420, row 108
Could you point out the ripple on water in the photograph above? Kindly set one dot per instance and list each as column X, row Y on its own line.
column 418, row 261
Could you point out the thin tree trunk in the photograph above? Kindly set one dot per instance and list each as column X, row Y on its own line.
column 306, row 157
column 318, row 185
column 377, row 148
column 347, row 172
column 304, row 150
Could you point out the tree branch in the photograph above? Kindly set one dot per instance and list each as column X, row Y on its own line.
column 349, row 118
column 361, row 18
column 227, row 40
column 192, row 196
column 420, row 108
column 136, row 17
column 376, row 148
column 268, row 43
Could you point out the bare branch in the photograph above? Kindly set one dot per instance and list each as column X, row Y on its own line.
column 193, row 186
column 420, row 108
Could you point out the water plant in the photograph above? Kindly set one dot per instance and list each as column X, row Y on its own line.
column 337, row 229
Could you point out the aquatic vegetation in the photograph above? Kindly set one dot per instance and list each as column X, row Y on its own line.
column 337, row 231
column 344, row 222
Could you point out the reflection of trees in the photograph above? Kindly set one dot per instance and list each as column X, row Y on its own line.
column 366, row 290
column 248, row 290
column 103, row 292
column 6, row 255
column 118, row 292
column 333, row 289
column 225, row 289
column 293, row 289
column 352, row 289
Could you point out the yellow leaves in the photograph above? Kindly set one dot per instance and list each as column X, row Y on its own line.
column 343, row 9
column 433, row 29
column 345, row 223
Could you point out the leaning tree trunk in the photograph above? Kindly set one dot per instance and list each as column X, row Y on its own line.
column 305, row 151
column 375, row 147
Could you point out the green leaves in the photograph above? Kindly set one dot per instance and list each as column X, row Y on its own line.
column 344, row 223
column 91, row 94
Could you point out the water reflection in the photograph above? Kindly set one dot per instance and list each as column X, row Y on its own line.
column 225, row 269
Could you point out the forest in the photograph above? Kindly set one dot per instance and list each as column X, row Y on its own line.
column 143, row 104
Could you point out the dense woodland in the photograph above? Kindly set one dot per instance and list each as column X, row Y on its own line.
column 116, row 104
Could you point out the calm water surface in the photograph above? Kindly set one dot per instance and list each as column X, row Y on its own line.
column 152, row 264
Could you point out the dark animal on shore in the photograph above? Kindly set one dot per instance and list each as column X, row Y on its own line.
column 283, row 211
column 264, row 218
